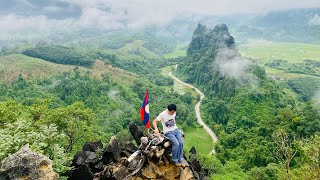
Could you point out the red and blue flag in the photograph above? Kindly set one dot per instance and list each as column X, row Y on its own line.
column 144, row 111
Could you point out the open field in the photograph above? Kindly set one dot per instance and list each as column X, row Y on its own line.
column 266, row 51
column 136, row 48
column 17, row 64
column 13, row 65
column 180, row 50
column 198, row 138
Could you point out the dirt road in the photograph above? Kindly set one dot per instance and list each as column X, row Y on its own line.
column 197, row 109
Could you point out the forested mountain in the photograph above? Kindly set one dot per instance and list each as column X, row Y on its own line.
column 74, row 71
column 263, row 131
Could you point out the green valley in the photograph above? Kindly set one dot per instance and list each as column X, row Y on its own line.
column 245, row 78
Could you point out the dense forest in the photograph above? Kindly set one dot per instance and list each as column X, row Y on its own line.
column 57, row 114
column 60, row 55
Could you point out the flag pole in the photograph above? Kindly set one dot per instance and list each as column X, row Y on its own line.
column 150, row 120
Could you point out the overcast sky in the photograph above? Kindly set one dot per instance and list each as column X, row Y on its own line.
column 46, row 15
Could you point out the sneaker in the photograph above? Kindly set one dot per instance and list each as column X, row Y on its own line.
column 178, row 164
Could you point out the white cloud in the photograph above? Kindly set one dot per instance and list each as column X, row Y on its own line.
column 200, row 6
column 315, row 20
column 232, row 65
column 24, row 2
column 12, row 24
column 52, row 9
column 111, row 14
column 92, row 17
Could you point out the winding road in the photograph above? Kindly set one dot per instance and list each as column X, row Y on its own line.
column 197, row 109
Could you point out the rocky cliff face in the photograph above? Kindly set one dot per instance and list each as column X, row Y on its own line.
column 96, row 162
column 208, row 50
column 205, row 40
column 26, row 164
column 213, row 62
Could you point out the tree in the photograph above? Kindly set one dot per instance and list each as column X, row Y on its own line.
column 284, row 151
column 75, row 121
column 311, row 153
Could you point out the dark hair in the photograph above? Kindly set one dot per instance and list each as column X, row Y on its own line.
column 172, row 107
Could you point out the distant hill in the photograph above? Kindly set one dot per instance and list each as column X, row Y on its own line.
column 12, row 66
column 60, row 55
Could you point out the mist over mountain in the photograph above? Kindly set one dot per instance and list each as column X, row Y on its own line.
column 213, row 62
column 64, row 21
column 247, row 108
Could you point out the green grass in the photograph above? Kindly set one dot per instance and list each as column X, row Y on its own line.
column 198, row 138
column 12, row 66
column 280, row 73
column 180, row 50
column 266, row 51
column 136, row 48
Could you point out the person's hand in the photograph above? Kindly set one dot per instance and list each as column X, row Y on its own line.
column 156, row 132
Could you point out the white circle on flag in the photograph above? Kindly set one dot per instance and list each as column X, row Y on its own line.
column 147, row 108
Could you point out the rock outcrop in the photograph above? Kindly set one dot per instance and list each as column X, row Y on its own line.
column 95, row 162
column 213, row 62
column 26, row 164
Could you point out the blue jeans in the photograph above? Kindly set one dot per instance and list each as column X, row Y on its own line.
column 177, row 145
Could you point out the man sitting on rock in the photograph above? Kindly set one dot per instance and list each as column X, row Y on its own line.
column 171, row 131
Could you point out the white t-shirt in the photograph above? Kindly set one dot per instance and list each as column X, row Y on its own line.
column 168, row 121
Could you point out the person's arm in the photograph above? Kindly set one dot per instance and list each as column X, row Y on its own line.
column 154, row 123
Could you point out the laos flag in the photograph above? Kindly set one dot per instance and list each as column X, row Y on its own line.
column 144, row 111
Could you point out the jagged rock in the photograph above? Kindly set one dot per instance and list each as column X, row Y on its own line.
column 112, row 164
column 113, row 171
column 26, row 164
column 186, row 174
column 81, row 173
column 221, row 28
column 170, row 171
column 135, row 132
column 221, row 36
column 136, row 178
column 92, row 146
column 120, row 172
column 127, row 148
column 84, row 157
column 151, row 171
column 198, row 40
column 112, row 151
column 193, row 150
column 194, row 163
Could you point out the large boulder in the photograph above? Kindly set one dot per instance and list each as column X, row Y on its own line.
column 112, row 151
column 135, row 132
column 113, row 171
column 81, row 173
column 26, row 164
column 92, row 146
column 84, row 157
column 96, row 162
